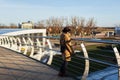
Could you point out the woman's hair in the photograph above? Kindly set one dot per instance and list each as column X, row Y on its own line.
column 66, row 29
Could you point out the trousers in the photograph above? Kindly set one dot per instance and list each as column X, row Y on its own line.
column 64, row 67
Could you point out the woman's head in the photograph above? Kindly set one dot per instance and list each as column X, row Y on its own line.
column 66, row 29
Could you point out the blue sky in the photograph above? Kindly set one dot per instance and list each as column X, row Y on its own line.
column 104, row 12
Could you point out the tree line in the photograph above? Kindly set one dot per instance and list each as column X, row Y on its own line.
column 79, row 25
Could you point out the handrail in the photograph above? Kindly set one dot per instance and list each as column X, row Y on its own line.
column 78, row 39
column 83, row 39
column 97, row 40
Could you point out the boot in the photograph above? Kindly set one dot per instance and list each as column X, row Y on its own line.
column 61, row 74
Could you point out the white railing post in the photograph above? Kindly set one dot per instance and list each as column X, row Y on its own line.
column 11, row 44
column 86, row 70
column 117, row 58
column 19, row 44
column 39, row 52
column 14, row 44
column 25, row 46
column 8, row 42
column 51, row 53
column 3, row 41
column 31, row 47
column 0, row 41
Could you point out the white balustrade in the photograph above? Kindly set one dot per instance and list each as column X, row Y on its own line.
column 41, row 51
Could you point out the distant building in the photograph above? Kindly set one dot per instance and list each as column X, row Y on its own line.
column 117, row 31
column 26, row 25
column 109, row 34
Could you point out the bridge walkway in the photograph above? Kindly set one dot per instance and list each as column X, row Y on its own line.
column 15, row 66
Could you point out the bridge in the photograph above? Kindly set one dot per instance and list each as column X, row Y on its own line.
column 28, row 54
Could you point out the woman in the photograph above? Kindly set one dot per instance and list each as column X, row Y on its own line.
column 66, row 50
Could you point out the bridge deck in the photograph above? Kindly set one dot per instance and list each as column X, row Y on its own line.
column 14, row 66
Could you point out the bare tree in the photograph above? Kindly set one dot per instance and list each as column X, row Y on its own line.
column 40, row 24
column 2, row 26
column 66, row 22
column 12, row 25
column 78, row 25
column 81, row 27
column 90, row 26
column 75, row 23
column 56, row 24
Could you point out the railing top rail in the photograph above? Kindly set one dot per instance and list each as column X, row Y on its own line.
column 98, row 40
column 86, row 39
